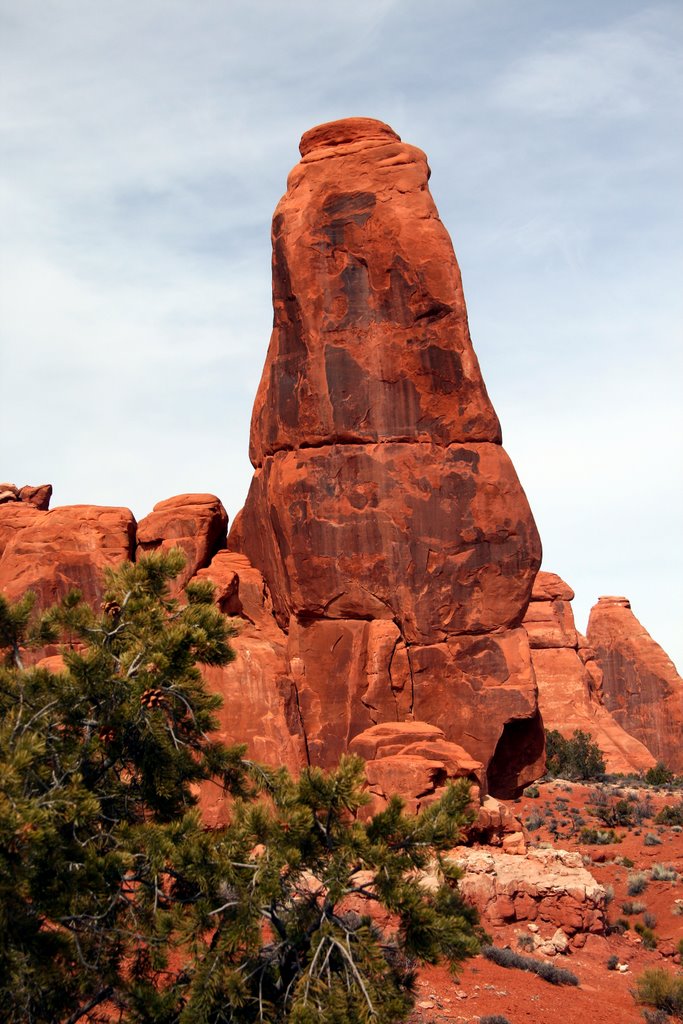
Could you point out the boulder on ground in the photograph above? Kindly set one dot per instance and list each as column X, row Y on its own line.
column 415, row 761
column 550, row 886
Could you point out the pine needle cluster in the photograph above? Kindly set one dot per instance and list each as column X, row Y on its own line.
column 117, row 903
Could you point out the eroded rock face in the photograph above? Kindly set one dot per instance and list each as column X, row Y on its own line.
column 428, row 536
column 260, row 703
column 549, row 620
column 641, row 686
column 51, row 552
column 385, row 516
column 570, row 680
column 370, row 341
column 68, row 547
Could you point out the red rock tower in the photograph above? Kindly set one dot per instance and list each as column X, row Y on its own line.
column 570, row 680
column 641, row 686
column 384, row 514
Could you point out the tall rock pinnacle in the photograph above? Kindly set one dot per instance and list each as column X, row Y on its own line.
column 384, row 514
column 641, row 686
column 370, row 342
column 383, row 563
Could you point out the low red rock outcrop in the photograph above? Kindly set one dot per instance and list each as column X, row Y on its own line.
column 38, row 496
column 385, row 516
column 53, row 552
column 570, row 680
column 195, row 523
column 641, row 687
column 545, row 886
column 415, row 760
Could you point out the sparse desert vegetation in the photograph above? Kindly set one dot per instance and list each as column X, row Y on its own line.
column 641, row 952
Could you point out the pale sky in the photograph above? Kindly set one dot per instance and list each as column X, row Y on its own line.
column 145, row 143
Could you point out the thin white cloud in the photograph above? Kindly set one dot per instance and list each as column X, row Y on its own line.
column 620, row 71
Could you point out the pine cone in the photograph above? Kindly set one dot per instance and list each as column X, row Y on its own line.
column 153, row 698
column 112, row 608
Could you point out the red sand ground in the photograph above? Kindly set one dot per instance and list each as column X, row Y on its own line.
column 603, row 996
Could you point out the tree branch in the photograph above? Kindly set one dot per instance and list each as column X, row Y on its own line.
column 103, row 994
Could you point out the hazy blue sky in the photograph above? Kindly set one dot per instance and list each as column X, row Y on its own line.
column 145, row 144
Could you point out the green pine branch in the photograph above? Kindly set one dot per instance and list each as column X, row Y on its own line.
column 114, row 897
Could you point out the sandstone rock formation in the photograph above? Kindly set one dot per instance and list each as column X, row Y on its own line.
column 260, row 702
column 550, row 886
column 569, row 679
column 53, row 552
column 497, row 825
column 37, row 496
column 641, row 686
column 384, row 515
column 415, row 760
column 382, row 567
column 195, row 523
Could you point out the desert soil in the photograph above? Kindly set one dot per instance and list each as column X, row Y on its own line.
column 603, row 996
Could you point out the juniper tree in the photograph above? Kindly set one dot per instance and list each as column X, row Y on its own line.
column 117, row 903
column 575, row 758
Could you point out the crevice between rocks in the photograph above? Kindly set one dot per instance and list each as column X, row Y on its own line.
column 301, row 722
